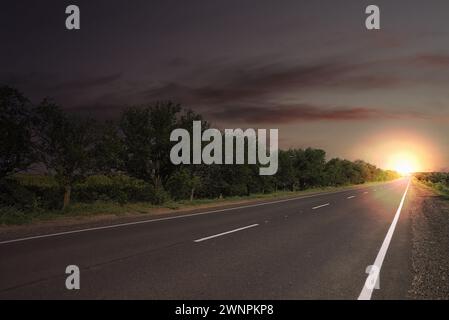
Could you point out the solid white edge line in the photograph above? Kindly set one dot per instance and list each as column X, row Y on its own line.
column 225, row 233
column 368, row 288
column 323, row 205
column 172, row 218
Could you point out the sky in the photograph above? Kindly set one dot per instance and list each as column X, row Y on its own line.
column 307, row 68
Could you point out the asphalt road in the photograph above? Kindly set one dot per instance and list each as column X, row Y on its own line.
column 314, row 247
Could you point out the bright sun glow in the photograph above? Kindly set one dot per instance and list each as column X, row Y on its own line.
column 403, row 151
column 404, row 163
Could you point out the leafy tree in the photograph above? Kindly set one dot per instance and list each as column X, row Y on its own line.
column 309, row 165
column 110, row 150
column 338, row 172
column 147, row 142
column 137, row 138
column 15, row 132
column 286, row 175
column 163, row 120
column 196, row 171
column 65, row 145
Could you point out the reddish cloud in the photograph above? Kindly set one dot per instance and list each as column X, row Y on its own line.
column 304, row 112
column 436, row 60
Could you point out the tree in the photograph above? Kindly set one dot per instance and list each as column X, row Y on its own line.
column 146, row 136
column 146, row 139
column 110, row 150
column 335, row 173
column 163, row 120
column 196, row 171
column 137, row 136
column 286, row 175
column 310, row 164
column 65, row 145
column 15, row 132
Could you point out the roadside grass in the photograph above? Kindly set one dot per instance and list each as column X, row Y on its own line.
column 440, row 188
column 11, row 216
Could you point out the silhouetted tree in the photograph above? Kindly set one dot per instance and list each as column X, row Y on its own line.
column 110, row 151
column 286, row 175
column 65, row 145
column 309, row 165
column 15, row 132
column 196, row 172
column 146, row 137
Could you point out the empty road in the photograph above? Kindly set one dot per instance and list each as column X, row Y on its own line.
column 314, row 247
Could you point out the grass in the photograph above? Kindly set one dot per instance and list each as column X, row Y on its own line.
column 440, row 188
column 11, row 216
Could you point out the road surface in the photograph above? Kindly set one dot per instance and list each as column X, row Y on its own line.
column 314, row 247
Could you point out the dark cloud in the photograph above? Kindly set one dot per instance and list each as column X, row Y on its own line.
column 87, row 83
column 435, row 60
column 51, row 82
column 304, row 112
column 253, row 83
column 178, row 62
column 97, row 110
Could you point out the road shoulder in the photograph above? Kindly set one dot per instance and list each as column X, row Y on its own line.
column 429, row 214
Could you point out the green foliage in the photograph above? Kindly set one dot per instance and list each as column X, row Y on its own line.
column 10, row 215
column 15, row 132
column 309, row 165
column 118, row 188
column 65, row 145
column 12, row 193
column 109, row 152
column 147, row 144
column 182, row 183
column 437, row 180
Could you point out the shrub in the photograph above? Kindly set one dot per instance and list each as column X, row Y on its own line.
column 12, row 215
column 160, row 196
column 12, row 193
column 119, row 188
column 46, row 192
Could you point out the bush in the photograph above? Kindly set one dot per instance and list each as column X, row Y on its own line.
column 12, row 193
column 119, row 188
column 160, row 196
column 12, row 215
column 178, row 185
column 45, row 190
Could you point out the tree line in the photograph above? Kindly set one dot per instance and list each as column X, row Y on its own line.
column 72, row 150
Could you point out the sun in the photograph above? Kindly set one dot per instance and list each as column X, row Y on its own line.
column 404, row 163
column 404, row 168
column 406, row 152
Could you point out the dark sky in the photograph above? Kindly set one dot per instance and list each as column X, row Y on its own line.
column 309, row 68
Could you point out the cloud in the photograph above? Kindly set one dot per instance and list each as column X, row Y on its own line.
column 435, row 60
column 178, row 62
column 305, row 112
column 256, row 83
column 255, row 90
column 87, row 83
column 51, row 83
